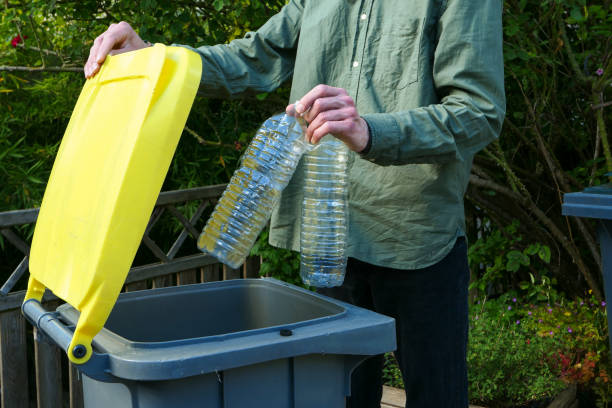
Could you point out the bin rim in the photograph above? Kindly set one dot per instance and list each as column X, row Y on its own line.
column 69, row 315
column 354, row 331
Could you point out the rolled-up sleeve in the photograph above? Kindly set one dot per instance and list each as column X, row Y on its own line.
column 469, row 81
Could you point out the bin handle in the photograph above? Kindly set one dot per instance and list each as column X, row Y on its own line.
column 48, row 323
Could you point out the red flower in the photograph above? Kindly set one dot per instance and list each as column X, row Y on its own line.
column 17, row 39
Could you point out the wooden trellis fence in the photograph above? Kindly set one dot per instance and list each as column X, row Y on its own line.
column 36, row 374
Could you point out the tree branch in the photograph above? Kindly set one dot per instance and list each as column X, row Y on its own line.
column 601, row 105
column 570, row 53
column 40, row 69
column 201, row 140
column 568, row 245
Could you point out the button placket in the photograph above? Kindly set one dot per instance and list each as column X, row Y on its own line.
column 362, row 28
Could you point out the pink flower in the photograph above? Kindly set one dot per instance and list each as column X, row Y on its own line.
column 569, row 330
column 599, row 71
column 17, row 39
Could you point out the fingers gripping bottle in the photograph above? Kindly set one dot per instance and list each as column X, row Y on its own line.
column 324, row 228
column 254, row 189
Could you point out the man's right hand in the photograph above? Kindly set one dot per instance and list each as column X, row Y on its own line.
column 117, row 39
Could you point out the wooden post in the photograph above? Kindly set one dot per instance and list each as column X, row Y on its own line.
column 210, row 273
column 76, row 388
column 229, row 273
column 132, row 287
column 162, row 281
column 13, row 360
column 48, row 363
column 251, row 267
column 186, row 277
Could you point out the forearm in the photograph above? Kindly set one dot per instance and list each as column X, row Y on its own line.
column 454, row 130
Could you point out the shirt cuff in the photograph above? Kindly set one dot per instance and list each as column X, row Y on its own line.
column 384, row 139
column 366, row 149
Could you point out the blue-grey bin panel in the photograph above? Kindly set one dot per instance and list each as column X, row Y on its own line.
column 232, row 344
column 590, row 204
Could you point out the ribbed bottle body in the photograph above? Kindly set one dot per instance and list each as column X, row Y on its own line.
column 324, row 224
column 254, row 189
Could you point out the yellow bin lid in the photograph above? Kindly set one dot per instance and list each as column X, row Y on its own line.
column 106, row 178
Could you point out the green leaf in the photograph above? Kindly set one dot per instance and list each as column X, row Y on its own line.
column 218, row 4
column 532, row 249
column 576, row 14
column 513, row 265
column 544, row 253
column 511, row 29
column 35, row 180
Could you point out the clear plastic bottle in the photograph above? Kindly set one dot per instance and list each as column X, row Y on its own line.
column 254, row 189
column 324, row 230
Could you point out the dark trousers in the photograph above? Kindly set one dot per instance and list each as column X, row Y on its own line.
column 431, row 318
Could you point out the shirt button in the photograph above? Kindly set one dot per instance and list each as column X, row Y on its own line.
column 355, row 64
column 364, row 16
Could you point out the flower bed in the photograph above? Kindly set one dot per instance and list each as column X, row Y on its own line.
column 523, row 354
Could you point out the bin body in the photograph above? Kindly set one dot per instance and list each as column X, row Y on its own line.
column 232, row 344
column 301, row 382
column 596, row 202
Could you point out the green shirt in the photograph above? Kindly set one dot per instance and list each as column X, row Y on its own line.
column 426, row 75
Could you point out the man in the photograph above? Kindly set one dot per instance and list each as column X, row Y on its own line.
column 414, row 89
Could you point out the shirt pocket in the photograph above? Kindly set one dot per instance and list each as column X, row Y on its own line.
column 398, row 51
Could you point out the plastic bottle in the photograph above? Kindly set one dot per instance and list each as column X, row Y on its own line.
column 324, row 230
column 254, row 189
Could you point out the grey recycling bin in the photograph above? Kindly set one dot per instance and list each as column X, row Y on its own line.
column 243, row 343
column 596, row 202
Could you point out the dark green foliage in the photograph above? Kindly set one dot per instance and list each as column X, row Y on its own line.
column 279, row 263
column 521, row 352
column 503, row 260
column 35, row 106
column 558, row 72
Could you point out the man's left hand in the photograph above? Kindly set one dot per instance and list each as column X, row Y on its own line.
column 330, row 110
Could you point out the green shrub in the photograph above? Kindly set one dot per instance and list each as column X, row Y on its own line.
column 278, row 263
column 392, row 375
column 502, row 260
column 520, row 352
